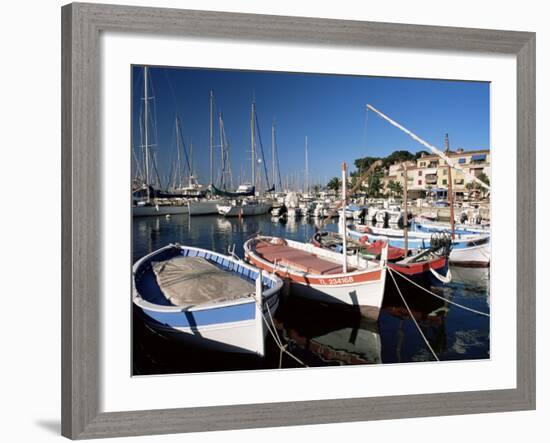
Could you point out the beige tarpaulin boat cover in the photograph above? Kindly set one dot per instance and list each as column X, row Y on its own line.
column 187, row 281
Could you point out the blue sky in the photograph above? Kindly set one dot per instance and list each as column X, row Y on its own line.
column 329, row 109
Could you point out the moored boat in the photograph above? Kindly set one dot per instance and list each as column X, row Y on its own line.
column 427, row 267
column 322, row 275
column 467, row 249
column 204, row 298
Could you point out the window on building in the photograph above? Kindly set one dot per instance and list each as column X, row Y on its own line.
column 444, row 172
column 462, row 160
column 420, row 173
column 419, row 182
column 444, row 181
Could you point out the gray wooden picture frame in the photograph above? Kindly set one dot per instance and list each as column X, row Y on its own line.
column 81, row 229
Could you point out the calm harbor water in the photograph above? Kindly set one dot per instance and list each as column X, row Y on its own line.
column 318, row 335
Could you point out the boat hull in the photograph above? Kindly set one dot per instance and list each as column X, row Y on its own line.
column 234, row 325
column 204, row 207
column 360, row 290
column 160, row 210
column 470, row 250
column 244, row 210
column 239, row 334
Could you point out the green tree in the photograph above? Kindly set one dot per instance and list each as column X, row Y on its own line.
column 419, row 154
column 395, row 188
column 334, row 184
column 399, row 157
column 483, row 177
column 362, row 164
column 374, row 184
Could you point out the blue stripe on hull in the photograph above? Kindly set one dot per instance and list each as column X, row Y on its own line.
column 417, row 243
column 226, row 314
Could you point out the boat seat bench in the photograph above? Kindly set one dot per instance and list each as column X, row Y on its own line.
column 298, row 259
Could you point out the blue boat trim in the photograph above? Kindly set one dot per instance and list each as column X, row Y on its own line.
column 221, row 315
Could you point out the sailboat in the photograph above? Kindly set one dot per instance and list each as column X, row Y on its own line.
column 245, row 202
column 148, row 201
column 208, row 206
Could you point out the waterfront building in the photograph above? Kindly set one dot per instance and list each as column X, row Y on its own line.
column 429, row 173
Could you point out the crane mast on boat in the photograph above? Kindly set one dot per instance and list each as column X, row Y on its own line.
column 432, row 148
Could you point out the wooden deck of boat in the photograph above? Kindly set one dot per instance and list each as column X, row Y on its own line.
column 296, row 258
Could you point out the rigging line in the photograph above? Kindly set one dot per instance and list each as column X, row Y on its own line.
column 442, row 298
column 154, row 122
column 412, row 316
column 277, row 161
column 262, row 148
column 273, row 332
column 136, row 162
column 182, row 140
column 172, row 90
column 156, row 169
column 226, row 151
column 174, row 171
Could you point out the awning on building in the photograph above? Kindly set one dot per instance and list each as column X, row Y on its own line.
column 478, row 157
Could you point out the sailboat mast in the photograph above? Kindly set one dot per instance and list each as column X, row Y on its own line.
column 450, row 196
column 273, row 152
column 177, row 170
column 146, row 125
column 211, row 137
column 253, row 143
column 307, row 173
column 191, row 164
column 343, row 219
column 220, row 124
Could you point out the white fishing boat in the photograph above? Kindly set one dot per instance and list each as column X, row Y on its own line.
column 205, row 299
column 422, row 225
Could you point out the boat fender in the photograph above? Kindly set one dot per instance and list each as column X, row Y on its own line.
column 317, row 237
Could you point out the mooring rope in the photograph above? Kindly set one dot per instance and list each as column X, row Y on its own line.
column 276, row 339
column 458, row 305
column 412, row 316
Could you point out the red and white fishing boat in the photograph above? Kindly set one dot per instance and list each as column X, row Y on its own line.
column 321, row 274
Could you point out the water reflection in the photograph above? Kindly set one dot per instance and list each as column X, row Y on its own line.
column 321, row 335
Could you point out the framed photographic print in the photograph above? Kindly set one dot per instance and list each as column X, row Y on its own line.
column 274, row 221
